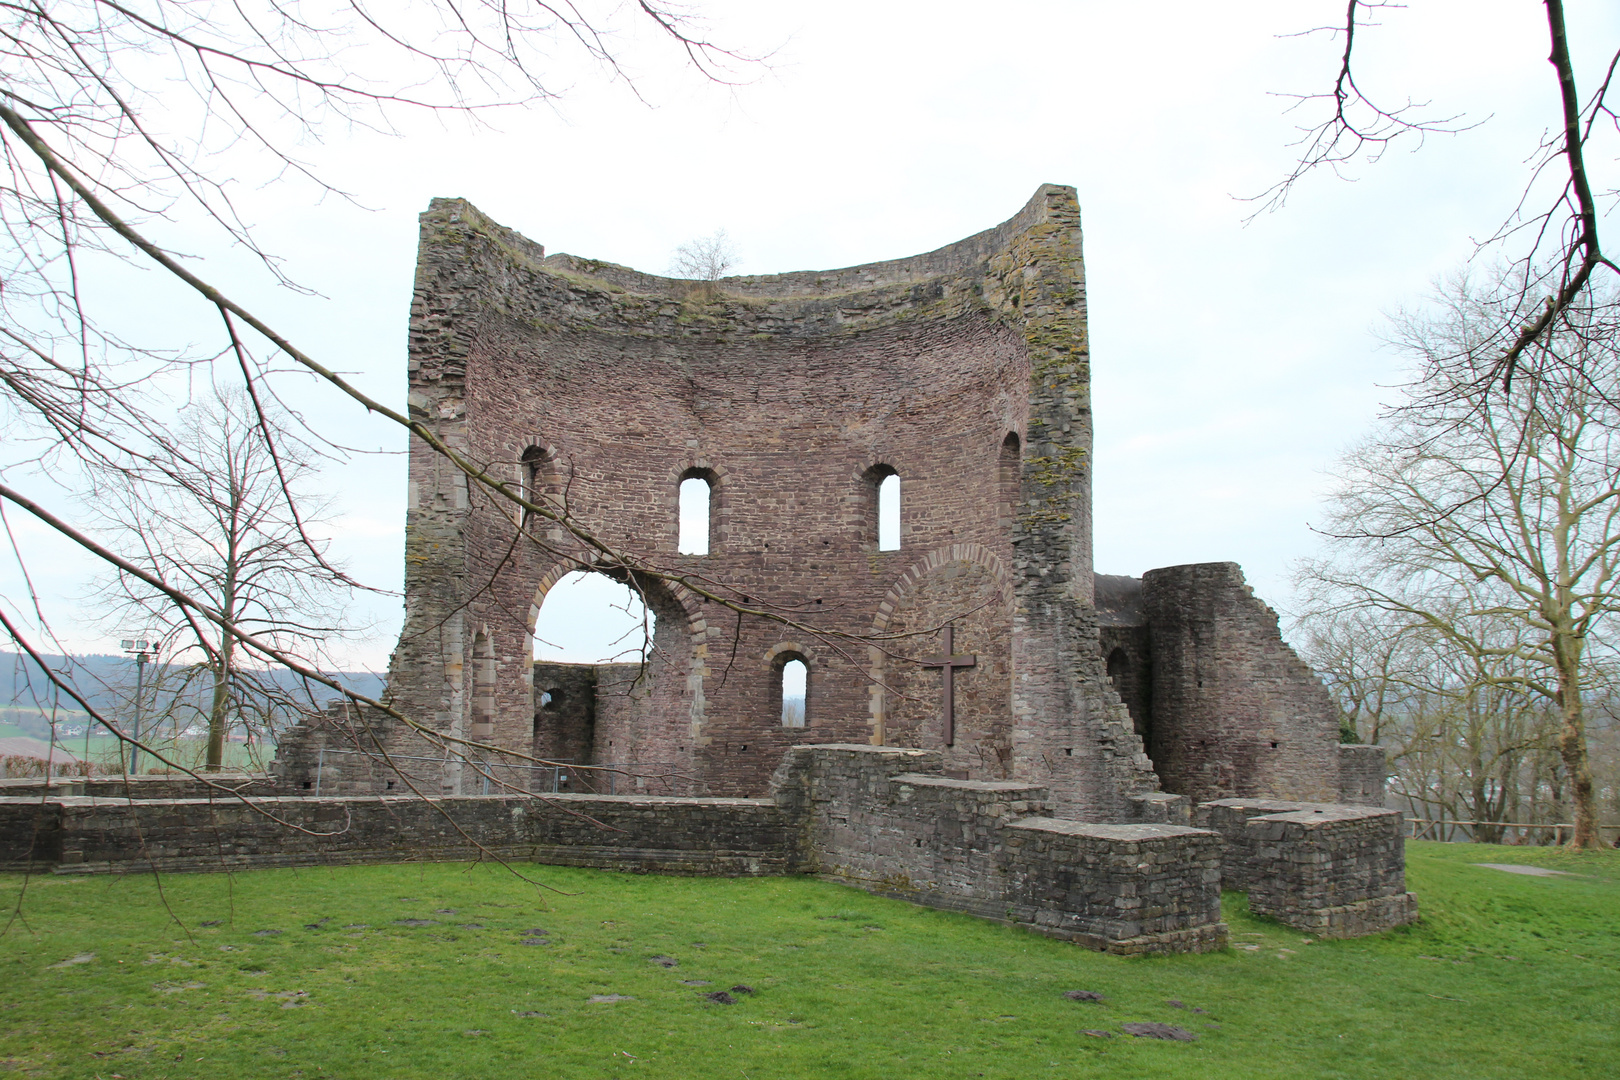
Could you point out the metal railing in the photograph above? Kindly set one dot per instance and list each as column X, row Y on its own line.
column 1443, row 829
column 499, row 777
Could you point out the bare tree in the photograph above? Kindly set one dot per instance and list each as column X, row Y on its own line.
column 706, row 259
column 1490, row 519
column 1551, row 236
column 211, row 517
column 1467, row 739
column 118, row 119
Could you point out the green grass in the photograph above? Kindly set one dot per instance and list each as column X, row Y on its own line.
column 1506, row 976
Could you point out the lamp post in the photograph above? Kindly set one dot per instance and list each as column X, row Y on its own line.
column 141, row 649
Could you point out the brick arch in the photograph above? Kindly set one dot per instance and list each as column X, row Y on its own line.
column 697, row 463
column 965, row 552
column 977, row 554
column 684, row 597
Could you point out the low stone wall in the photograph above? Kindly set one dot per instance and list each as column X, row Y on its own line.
column 1229, row 818
column 881, row 818
column 1125, row 889
column 1362, row 774
column 875, row 818
column 1336, row 871
column 723, row 837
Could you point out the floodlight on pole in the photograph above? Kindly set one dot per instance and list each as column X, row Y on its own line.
column 141, row 649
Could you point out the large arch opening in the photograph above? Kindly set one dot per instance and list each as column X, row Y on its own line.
column 590, row 618
column 612, row 656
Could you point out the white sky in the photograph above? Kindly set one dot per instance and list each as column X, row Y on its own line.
column 1231, row 363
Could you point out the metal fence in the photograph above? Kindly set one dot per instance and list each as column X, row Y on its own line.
column 1451, row 830
column 496, row 777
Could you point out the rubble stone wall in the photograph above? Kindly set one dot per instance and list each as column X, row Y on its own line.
column 1335, row 871
column 1362, row 774
column 1229, row 818
column 1236, row 714
column 881, row 818
column 666, row 835
column 988, row 848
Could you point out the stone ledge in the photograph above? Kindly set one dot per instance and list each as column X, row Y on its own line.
column 1212, row 937
column 1371, row 916
column 1117, row 833
column 1319, row 816
column 866, row 748
column 997, row 787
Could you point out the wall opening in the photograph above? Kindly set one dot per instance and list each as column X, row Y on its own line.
column 1119, row 669
column 795, row 686
column 1008, row 476
column 589, row 618
column 695, row 521
column 483, row 699
column 540, row 482
column 882, row 525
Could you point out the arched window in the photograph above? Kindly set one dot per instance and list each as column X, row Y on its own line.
column 696, row 489
column 532, row 469
column 1008, row 479
column 884, row 507
column 889, row 513
column 483, row 702
column 795, row 687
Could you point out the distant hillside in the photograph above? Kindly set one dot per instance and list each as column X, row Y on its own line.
column 107, row 683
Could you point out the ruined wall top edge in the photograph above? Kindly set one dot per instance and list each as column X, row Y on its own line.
column 962, row 257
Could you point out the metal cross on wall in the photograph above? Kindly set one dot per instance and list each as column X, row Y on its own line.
column 947, row 665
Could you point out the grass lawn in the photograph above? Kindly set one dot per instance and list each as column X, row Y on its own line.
column 432, row 971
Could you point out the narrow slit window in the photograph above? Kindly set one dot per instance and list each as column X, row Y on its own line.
column 794, row 678
column 889, row 513
column 694, row 519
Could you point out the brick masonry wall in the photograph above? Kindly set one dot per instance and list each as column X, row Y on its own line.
column 565, row 726
column 1235, row 712
column 1362, row 774
column 787, row 398
column 1334, row 871
column 666, row 835
column 987, row 848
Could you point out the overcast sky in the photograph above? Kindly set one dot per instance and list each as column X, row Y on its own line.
column 1231, row 362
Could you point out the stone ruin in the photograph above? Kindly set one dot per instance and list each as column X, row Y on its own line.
column 1087, row 754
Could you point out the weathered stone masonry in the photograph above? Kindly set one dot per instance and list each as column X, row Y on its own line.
column 964, row 371
column 1098, row 712
column 880, row 818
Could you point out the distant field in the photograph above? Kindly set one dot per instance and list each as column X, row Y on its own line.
column 431, row 971
column 106, row 749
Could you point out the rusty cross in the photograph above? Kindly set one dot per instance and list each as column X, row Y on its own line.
column 947, row 665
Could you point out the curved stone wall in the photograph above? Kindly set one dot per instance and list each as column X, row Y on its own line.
column 791, row 394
